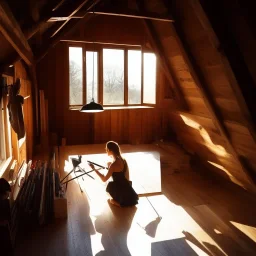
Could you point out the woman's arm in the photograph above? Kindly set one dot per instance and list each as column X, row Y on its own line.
column 127, row 174
column 102, row 177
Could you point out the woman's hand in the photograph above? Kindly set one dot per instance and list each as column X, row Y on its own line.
column 91, row 165
column 108, row 164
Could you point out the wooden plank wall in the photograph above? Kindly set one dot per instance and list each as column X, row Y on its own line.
column 25, row 151
column 124, row 125
column 108, row 29
column 196, row 128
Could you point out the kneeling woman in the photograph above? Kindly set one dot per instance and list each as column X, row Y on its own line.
column 120, row 188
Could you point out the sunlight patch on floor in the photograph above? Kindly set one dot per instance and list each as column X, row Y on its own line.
column 144, row 169
column 145, row 229
column 154, row 219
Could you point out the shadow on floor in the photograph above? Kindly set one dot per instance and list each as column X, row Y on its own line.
column 117, row 229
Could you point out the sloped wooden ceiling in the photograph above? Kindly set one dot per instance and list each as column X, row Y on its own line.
column 208, row 60
column 218, row 121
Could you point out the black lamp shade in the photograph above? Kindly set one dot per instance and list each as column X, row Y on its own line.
column 92, row 107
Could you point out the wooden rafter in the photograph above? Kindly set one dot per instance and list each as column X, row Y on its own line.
column 53, row 41
column 135, row 15
column 120, row 13
column 12, row 32
column 58, row 5
column 158, row 49
column 45, row 16
column 80, row 5
column 201, row 84
column 68, row 28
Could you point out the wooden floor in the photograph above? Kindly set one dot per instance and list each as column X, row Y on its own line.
column 193, row 215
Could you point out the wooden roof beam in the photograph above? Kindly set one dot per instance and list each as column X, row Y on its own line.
column 144, row 15
column 45, row 16
column 52, row 41
column 57, row 6
column 119, row 13
column 79, row 5
column 13, row 33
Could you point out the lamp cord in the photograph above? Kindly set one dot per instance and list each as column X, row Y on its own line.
column 93, row 60
column 93, row 73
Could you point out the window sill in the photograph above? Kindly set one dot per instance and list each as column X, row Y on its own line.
column 5, row 165
column 113, row 107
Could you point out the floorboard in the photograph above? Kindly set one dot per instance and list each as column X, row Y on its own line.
column 193, row 215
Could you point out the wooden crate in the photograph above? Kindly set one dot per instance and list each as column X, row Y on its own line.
column 60, row 206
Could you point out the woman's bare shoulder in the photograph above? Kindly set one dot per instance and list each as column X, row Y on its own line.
column 118, row 165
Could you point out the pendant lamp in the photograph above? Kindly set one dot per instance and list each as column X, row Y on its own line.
column 92, row 107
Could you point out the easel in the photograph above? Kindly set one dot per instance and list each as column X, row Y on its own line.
column 76, row 168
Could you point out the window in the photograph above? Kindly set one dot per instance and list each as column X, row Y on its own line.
column 121, row 76
column 75, row 76
column 2, row 134
column 5, row 128
column 113, row 77
column 91, row 76
column 134, row 77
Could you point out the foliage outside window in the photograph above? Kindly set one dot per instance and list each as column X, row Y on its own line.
column 113, row 77
column 122, row 76
column 75, row 76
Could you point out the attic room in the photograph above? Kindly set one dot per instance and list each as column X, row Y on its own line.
column 101, row 99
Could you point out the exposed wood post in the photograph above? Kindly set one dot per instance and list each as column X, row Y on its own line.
column 158, row 49
column 227, row 68
column 12, row 32
column 201, row 84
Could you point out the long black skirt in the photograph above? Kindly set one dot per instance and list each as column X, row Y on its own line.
column 122, row 192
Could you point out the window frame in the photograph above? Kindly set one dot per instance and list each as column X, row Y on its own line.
column 6, row 144
column 98, row 47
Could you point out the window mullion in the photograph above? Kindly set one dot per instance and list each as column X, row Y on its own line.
column 100, row 76
column 142, row 76
column 2, row 132
column 84, row 76
column 125, row 77
column 7, row 148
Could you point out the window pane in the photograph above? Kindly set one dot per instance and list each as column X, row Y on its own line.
column 75, row 76
column 2, row 135
column 90, row 73
column 134, row 77
column 9, row 132
column 113, row 77
column 149, row 78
